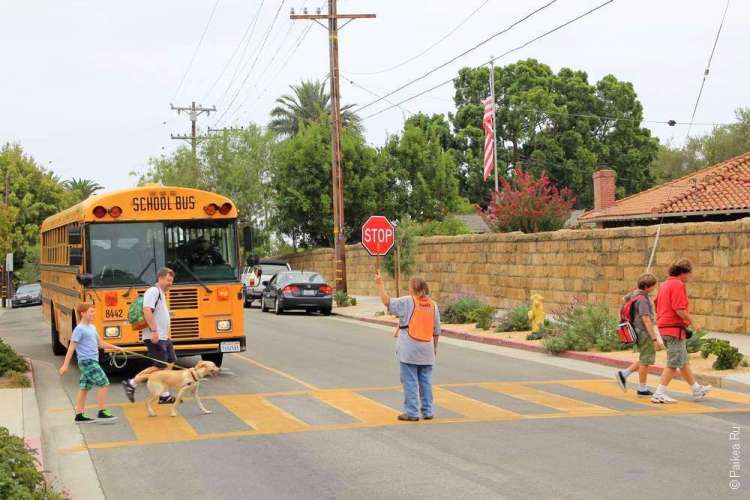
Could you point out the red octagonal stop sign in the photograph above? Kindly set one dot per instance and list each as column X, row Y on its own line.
column 378, row 235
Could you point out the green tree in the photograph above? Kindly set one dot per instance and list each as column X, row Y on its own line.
column 82, row 188
column 425, row 171
column 33, row 195
column 720, row 144
column 309, row 102
column 554, row 123
column 302, row 185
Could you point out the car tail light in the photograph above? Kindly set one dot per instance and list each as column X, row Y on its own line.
column 100, row 212
column 222, row 293
column 110, row 299
column 115, row 212
column 290, row 290
column 225, row 208
column 325, row 290
column 211, row 208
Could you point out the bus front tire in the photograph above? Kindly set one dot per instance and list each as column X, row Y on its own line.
column 57, row 348
column 216, row 358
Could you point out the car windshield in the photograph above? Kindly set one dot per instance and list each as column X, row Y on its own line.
column 271, row 269
column 131, row 253
column 202, row 250
column 28, row 288
column 300, row 277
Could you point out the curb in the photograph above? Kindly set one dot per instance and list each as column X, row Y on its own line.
column 714, row 380
column 32, row 420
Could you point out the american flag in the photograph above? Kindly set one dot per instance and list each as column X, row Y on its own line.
column 489, row 136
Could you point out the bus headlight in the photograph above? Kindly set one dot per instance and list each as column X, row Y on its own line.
column 111, row 332
column 224, row 325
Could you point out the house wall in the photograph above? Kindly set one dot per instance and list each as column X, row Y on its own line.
column 504, row 269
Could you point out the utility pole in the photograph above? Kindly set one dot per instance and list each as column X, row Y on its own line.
column 337, row 178
column 193, row 112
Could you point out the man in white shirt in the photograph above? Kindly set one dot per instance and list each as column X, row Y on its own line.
column 156, row 334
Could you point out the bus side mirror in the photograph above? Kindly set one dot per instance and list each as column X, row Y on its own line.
column 85, row 279
column 247, row 239
column 74, row 235
column 75, row 258
column 264, row 283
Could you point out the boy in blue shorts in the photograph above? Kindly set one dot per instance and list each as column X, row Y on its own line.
column 85, row 342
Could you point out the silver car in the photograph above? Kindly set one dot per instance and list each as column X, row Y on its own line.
column 253, row 277
column 27, row 295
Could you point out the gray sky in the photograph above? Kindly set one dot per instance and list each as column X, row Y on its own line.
column 86, row 85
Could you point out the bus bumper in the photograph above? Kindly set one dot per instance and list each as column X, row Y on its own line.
column 194, row 348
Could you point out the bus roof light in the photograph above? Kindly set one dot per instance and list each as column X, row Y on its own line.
column 225, row 208
column 115, row 212
column 211, row 208
column 99, row 212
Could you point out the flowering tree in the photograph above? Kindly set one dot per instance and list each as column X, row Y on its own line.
column 525, row 203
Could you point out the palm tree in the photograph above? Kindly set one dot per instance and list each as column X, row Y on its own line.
column 310, row 102
column 83, row 188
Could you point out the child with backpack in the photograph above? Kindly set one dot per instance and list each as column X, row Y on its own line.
column 86, row 343
column 637, row 315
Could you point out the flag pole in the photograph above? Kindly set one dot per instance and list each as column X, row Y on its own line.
column 494, row 125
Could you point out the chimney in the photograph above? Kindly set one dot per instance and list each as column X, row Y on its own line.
column 604, row 188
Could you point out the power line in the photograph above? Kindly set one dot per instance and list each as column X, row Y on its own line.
column 483, row 42
column 374, row 94
column 197, row 48
column 249, row 30
column 417, row 56
column 255, row 61
column 708, row 68
column 524, row 45
column 240, row 61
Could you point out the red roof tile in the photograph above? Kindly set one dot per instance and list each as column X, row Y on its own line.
column 721, row 187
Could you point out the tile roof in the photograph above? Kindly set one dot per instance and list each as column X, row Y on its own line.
column 718, row 188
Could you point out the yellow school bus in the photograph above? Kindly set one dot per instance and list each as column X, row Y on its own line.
column 108, row 249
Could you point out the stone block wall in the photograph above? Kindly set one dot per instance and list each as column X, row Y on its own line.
column 504, row 269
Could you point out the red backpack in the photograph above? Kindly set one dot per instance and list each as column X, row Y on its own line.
column 625, row 330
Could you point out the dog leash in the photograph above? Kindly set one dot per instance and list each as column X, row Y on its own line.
column 113, row 358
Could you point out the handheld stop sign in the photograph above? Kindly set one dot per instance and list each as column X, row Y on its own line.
column 378, row 235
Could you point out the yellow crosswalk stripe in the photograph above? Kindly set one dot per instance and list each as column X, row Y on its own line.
column 610, row 390
column 470, row 408
column 356, row 405
column 159, row 429
column 536, row 396
column 260, row 414
column 681, row 387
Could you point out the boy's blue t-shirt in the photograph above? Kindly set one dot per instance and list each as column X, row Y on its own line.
column 87, row 339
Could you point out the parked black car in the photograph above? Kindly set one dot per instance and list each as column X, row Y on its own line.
column 297, row 290
column 27, row 295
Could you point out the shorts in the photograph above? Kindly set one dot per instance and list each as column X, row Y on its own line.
column 677, row 355
column 91, row 374
column 646, row 348
column 163, row 351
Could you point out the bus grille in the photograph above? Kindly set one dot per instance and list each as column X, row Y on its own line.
column 186, row 298
column 184, row 328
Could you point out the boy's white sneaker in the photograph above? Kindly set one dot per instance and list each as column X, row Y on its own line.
column 621, row 380
column 662, row 398
column 701, row 392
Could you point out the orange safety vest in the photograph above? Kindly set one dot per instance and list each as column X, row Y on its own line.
column 421, row 326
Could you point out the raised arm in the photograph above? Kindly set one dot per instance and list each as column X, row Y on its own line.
column 381, row 289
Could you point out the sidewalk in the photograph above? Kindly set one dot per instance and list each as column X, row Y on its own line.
column 369, row 309
column 19, row 413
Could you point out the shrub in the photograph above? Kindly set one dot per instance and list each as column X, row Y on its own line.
column 727, row 356
column 10, row 360
column 517, row 320
column 695, row 343
column 17, row 379
column 528, row 204
column 482, row 315
column 458, row 312
column 19, row 477
column 582, row 326
column 352, row 301
column 341, row 298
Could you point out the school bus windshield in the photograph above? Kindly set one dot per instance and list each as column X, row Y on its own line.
column 125, row 254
